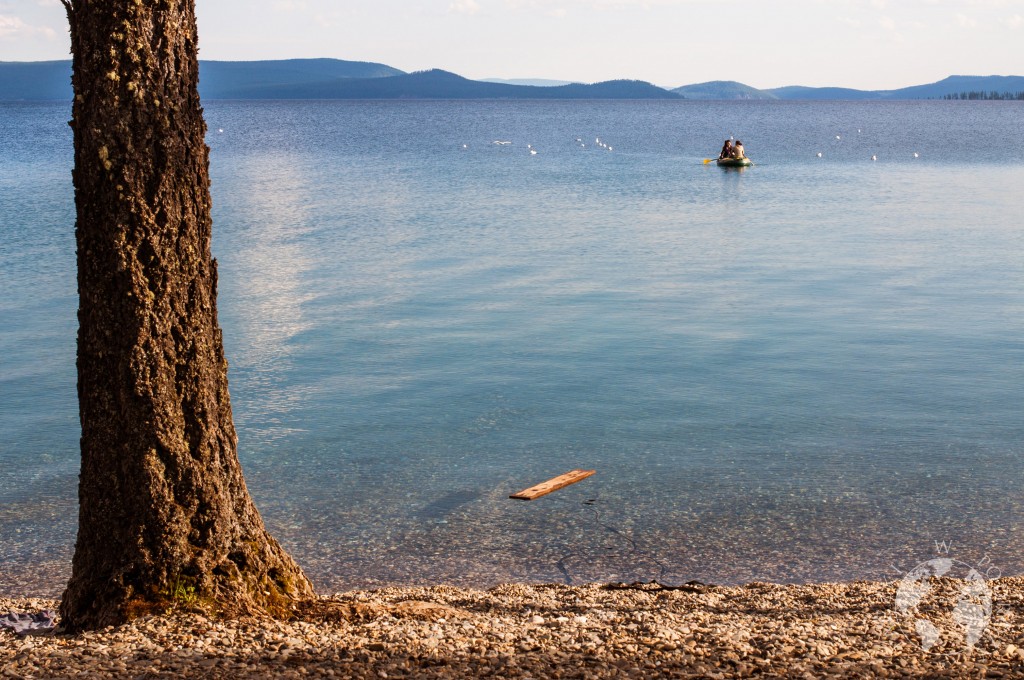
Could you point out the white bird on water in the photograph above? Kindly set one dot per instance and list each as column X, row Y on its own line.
column 915, row 154
column 819, row 154
column 874, row 158
column 533, row 152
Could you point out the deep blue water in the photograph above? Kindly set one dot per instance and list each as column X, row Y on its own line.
column 809, row 370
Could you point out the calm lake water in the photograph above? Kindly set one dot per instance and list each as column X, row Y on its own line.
column 809, row 370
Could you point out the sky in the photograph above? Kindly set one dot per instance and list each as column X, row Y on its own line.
column 865, row 44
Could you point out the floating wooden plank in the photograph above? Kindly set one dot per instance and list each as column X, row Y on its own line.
column 559, row 482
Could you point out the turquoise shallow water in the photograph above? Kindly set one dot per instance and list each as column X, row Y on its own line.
column 808, row 370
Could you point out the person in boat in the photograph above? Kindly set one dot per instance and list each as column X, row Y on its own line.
column 737, row 150
column 726, row 150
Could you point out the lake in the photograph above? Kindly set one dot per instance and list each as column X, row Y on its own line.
column 807, row 370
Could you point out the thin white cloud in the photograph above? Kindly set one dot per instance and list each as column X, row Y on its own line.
column 953, row 4
column 14, row 27
column 965, row 21
column 562, row 7
column 324, row 21
column 11, row 26
column 892, row 30
column 464, row 7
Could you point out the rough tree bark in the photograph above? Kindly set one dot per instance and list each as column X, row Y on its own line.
column 162, row 502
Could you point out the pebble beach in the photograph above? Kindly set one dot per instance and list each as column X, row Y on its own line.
column 640, row 630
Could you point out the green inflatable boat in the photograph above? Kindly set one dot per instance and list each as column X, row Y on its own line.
column 734, row 162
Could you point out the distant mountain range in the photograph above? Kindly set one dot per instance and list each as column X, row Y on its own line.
column 437, row 84
column 48, row 80
column 536, row 82
column 338, row 79
column 233, row 79
column 721, row 89
column 948, row 87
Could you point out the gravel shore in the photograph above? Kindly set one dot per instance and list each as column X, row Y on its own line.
column 554, row 631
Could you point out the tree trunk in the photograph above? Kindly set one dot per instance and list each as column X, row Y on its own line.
column 163, row 509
